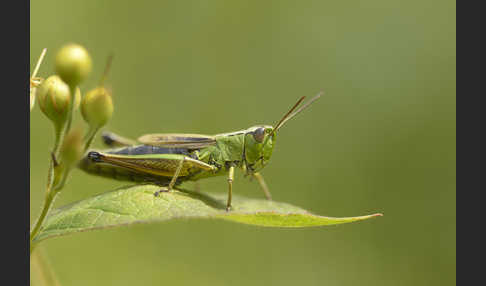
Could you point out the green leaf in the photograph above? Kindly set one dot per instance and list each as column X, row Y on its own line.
column 137, row 204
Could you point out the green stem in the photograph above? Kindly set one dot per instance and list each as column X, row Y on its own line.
column 107, row 69
column 50, row 196
column 60, row 132
column 61, row 184
column 50, row 180
column 90, row 137
column 51, row 193
column 72, row 90
column 40, row 266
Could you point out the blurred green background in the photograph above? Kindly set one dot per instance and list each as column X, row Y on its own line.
column 382, row 139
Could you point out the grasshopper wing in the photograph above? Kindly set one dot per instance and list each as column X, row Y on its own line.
column 174, row 140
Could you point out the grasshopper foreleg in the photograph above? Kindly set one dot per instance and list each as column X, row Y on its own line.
column 264, row 186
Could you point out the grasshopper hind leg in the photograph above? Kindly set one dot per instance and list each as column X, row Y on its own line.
column 111, row 139
column 174, row 179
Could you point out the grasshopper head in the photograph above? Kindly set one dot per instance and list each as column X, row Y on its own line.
column 259, row 143
column 260, row 140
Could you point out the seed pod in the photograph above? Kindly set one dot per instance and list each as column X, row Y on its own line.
column 97, row 107
column 54, row 99
column 73, row 64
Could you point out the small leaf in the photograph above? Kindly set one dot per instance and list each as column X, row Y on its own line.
column 137, row 204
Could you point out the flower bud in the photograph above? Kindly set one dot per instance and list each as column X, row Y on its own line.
column 32, row 97
column 97, row 107
column 73, row 64
column 72, row 147
column 34, row 83
column 54, row 99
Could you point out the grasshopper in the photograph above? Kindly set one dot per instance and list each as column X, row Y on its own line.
column 170, row 159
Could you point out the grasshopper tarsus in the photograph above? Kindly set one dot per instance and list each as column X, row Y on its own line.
column 162, row 190
column 157, row 193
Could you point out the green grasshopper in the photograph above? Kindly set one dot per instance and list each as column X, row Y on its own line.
column 170, row 159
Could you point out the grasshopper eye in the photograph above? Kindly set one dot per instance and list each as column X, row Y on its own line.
column 259, row 135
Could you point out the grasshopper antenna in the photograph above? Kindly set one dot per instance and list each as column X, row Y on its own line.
column 277, row 126
column 291, row 113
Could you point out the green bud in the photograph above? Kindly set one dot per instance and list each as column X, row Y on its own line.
column 32, row 97
column 73, row 64
column 97, row 107
column 72, row 147
column 54, row 98
column 34, row 83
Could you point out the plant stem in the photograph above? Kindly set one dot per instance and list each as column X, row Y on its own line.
column 107, row 69
column 61, row 184
column 43, row 270
column 89, row 137
column 60, row 131
column 72, row 90
column 51, row 175
column 50, row 196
